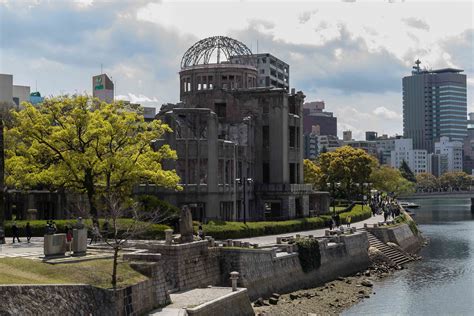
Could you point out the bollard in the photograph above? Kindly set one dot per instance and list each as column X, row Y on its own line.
column 234, row 276
column 289, row 248
column 168, row 236
column 366, row 225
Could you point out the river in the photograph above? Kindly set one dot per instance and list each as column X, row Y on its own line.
column 443, row 282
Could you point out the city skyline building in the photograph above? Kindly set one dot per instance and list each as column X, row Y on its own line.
column 450, row 153
column 418, row 160
column 103, row 88
column 271, row 71
column 434, row 106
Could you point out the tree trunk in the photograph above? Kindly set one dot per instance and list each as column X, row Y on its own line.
column 90, row 189
column 114, row 269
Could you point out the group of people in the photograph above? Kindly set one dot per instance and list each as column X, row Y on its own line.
column 51, row 228
column 16, row 232
column 335, row 222
column 384, row 204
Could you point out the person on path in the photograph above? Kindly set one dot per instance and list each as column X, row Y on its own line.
column 28, row 232
column 15, row 232
column 95, row 234
column 348, row 221
column 69, row 236
column 338, row 220
column 200, row 232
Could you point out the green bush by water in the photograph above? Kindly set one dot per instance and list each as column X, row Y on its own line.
column 309, row 254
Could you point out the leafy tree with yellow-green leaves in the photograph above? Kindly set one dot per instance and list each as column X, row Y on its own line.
column 312, row 174
column 348, row 166
column 85, row 145
column 388, row 179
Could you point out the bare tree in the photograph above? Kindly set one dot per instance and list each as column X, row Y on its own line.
column 122, row 231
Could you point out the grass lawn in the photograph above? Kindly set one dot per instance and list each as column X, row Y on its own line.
column 94, row 272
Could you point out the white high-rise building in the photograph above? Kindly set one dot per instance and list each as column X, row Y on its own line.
column 450, row 155
column 417, row 159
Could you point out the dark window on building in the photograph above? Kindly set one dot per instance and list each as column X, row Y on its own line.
column 292, row 168
column 291, row 136
column 221, row 110
column 266, row 172
column 265, row 136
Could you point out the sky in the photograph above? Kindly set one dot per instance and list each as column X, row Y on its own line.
column 351, row 54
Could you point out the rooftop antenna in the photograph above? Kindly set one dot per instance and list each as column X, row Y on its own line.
column 36, row 85
column 417, row 67
column 101, row 72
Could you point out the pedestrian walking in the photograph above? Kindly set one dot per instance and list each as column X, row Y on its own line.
column 348, row 221
column 200, row 232
column 28, row 232
column 95, row 234
column 15, row 232
column 69, row 237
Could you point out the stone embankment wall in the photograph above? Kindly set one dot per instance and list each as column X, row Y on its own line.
column 187, row 266
column 401, row 235
column 79, row 299
column 262, row 272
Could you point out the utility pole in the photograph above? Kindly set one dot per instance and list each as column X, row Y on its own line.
column 2, row 183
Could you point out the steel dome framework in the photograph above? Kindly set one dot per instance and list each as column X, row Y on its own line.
column 200, row 53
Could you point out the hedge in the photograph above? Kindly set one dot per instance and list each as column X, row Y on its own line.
column 152, row 231
column 309, row 254
column 232, row 230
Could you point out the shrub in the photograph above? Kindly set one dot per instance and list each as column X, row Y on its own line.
column 309, row 254
column 38, row 227
column 233, row 230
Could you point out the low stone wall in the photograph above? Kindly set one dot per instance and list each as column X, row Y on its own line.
column 81, row 299
column 76, row 299
column 233, row 304
column 400, row 235
column 263, row 273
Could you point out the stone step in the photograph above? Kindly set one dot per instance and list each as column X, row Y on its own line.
column 392, row 253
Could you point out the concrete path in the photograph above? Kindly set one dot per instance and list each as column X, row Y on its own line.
column 271, row 239
column 21, row 249
column 190, row 298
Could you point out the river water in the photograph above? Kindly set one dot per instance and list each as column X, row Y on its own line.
column 443, row 282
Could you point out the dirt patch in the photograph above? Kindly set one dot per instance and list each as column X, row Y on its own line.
column 329, row 299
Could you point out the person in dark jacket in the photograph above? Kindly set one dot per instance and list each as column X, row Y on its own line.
column 28, row 232
column 15, row 232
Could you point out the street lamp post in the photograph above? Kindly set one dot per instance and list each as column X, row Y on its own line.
column 333, row 186
column 243, row 182
column 2, row 184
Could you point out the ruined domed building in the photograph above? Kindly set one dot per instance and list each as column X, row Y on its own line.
column 240, row 146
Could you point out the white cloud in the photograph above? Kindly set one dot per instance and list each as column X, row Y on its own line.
column 136, row 98
column 387, row 114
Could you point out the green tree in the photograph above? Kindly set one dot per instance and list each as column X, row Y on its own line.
column 426, row 182
column 346, row 165
column 312, row 173
column 455, row 180
column 85, row 145
column 406, row 172
column 388, row 179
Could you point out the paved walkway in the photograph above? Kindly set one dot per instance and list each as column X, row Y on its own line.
column 21, row 249
column 190, row 298
column 271, row 239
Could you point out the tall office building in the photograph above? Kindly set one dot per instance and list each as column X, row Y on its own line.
column 103, row 88
column 434, row 105
column 271, row 71
column 314, row 115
